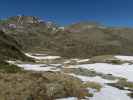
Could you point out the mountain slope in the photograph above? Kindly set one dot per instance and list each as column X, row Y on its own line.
column 9, row 48
column 30, row 32
column 83, row 39
column 90, row 39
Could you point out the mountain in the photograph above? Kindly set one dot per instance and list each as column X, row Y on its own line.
column 82, row 39
column 95, row 39
column 30, row 32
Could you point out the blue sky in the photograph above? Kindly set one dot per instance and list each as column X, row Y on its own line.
column 64, row 12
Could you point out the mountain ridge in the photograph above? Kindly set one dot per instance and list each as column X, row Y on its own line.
column 82, row 39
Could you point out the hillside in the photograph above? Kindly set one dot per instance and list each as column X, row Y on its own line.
column 83, row 39
column 85, row 60
column 9, row 48
column 93, row 39
column 30, row 32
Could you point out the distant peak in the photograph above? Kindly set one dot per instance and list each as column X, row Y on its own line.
column 21, row 19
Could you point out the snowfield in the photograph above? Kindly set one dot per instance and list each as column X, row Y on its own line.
column 107, row 92
column 124, row 70
column 110, row 93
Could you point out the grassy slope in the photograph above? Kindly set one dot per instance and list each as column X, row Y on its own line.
column 9, row 68
column 76, row 41
column 9, row 48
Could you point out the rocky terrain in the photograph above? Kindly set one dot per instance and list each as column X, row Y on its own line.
column 41, row 60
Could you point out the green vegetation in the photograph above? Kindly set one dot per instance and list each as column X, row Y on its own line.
column 82, row 40
column 71, row 86
column 9, row 68
column 130, row 94
column 10, row 48
column 37, row 86
column 90, row 73
column 105, row 59
column 92, row 85
column 125, row 83
column 3, row 22
column 122, row 84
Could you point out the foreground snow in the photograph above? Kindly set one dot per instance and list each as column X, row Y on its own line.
column 110, row 93
column 107, row 92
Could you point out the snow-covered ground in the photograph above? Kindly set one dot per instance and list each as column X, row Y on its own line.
column 110, row 93
column 38, row 57
column 69, row 98
column 107, row 92
column 124, row 70
column 76, row 60
column 83, row 60
column 38, row 67
column 124, row 58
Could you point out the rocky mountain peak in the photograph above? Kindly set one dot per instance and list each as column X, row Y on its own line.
column 21, row 19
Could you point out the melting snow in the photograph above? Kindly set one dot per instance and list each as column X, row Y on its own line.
column 69, row 98
column 125, row 58
column 107, row 92
column 11, row 62
column 110, row 93
column 93, row 79
column 77, row 60
column 42, row 57
column 83, row 60
column 66, row 62
column 124, row 70
column 38, row 67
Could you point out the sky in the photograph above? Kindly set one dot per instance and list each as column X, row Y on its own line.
column 65, row 12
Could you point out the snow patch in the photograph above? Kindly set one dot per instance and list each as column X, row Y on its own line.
column 37, row 67
column 83, row 60
column 43, row 57
column 68, row 98
column 11, row 62
column 125, row 58
column 66, row 62
column 124, row 70
column 110, row 93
